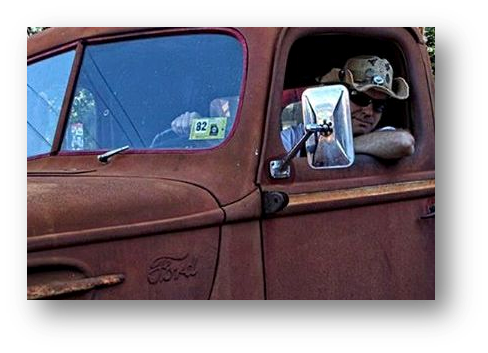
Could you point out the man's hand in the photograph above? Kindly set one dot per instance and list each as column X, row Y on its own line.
column 181, row 124
column 385, row 144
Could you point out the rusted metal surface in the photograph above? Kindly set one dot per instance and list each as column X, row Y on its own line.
column 358, row 196
column 152, row 264
column 60, row 240
column 240, row 271
column 190, row 225
column 56, row 38
column 372, row 252
column 430, row 212
column 366, row 191
column 54, row 289
column 247, row 208
column 66, row 204
column 55, row 269
column 64, row 172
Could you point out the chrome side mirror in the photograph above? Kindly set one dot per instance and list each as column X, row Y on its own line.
column 328, row 106
column 328, row 135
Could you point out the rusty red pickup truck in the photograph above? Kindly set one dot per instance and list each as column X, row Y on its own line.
column 122, row 206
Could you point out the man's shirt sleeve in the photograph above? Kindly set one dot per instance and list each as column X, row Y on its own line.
column 291, row 136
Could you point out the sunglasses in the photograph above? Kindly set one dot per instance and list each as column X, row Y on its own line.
column 363, row 100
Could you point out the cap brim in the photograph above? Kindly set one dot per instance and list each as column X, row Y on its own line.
column 400, row 89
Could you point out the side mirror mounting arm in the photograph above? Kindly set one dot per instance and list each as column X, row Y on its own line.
column 280, row 168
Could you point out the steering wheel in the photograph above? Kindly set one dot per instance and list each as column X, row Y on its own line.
column 170, row 139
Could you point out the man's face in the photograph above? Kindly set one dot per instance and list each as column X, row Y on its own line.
column 366, row 110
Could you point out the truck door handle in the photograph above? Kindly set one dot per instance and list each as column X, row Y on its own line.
column 55, row 288
column 430, row 213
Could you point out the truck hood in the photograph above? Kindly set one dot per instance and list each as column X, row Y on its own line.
column 89, row 204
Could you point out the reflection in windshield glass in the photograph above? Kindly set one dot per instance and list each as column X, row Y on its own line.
column 46, row 86
column 129, row 93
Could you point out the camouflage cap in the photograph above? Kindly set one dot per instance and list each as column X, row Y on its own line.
column 367, row 72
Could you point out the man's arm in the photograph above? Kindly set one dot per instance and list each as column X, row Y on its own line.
column 385, row 144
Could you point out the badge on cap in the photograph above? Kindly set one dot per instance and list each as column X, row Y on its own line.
column 378, row 80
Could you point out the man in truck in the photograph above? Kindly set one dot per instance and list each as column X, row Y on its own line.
column 370, row 82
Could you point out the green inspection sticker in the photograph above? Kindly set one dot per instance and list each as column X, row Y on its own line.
column 208, row 128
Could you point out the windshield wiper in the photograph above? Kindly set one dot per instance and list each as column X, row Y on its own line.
column 103, row 158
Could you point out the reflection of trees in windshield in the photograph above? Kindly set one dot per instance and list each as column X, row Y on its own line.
column 102, row 92
column 83, row 118
column 113, row 96
column 83, row 104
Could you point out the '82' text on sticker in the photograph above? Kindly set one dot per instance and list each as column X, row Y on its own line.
column 208, row 128
column 201, row 126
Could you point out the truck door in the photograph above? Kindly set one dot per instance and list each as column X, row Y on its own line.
column 363, row 232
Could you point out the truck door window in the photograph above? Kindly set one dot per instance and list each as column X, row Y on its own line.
column 46, row 86
column 325, row 54
column 130, row 92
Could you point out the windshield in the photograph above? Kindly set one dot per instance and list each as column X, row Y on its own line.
column 135, row 92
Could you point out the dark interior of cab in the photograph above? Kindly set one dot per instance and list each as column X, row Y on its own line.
column 314, row 56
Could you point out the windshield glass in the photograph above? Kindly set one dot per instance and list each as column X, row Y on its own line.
column 46, row 86
column 169, row 92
